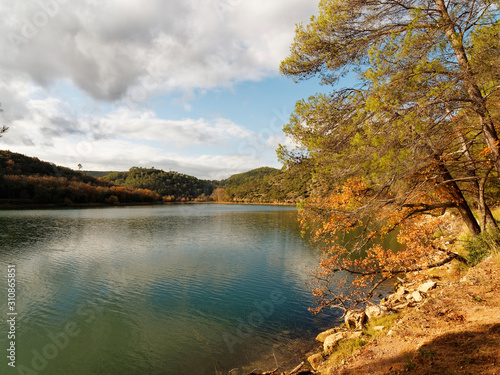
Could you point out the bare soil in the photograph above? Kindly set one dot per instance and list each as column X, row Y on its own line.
column 455, row 331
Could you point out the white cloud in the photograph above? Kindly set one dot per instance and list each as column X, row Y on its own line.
column 176, row 133
column 107, row 47
column 130, row 50
column 119, row 140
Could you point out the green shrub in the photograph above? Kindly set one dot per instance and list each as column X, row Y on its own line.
column 480, row 246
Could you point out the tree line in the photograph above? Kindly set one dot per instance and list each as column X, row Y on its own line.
column 25, row 179
column 28, row 180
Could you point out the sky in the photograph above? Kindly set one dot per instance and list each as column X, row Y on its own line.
column 190, row 86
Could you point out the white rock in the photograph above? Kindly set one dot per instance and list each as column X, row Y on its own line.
column 332, row 341
column 417, row 296
column 323, row 335
column 355, row 319
column 378, row 328
column 425, row 287
column 374, row 311
column 315, row 360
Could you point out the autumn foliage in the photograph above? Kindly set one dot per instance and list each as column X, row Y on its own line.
column 414, row 138
column 48, row 189
column 356, row 259
column 29, row 180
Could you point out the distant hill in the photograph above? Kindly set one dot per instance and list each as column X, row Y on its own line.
column 173, row 186
column 267, row 185
column 249, row 177
column 24, row 179
column 27, row 180
column 97, row 174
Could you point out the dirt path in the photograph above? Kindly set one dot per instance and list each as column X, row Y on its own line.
column 456, row 331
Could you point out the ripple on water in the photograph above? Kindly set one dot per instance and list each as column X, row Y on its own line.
column 156, row 290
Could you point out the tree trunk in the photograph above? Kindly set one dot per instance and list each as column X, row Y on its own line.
column 475, row 95
column 486, row 217
column 462, row 205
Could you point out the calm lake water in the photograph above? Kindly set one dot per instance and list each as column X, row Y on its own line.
column 177, row 289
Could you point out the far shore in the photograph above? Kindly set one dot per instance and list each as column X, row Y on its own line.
column 39, row 206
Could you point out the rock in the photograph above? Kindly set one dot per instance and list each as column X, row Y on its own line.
column 400, row 306
column 323, row 335
column 417, row 296
column 395, row 298
column 332, row 341
column 315, row 360
column 374, row 311
column 425, row 287
column 401, row 292
column 355, row 319
column 378, row 328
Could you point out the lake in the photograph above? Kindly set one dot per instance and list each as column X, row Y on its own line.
column 173, row 289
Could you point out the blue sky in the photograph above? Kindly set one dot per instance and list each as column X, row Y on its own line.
column 190, row 86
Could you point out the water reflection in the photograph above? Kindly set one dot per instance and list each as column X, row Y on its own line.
column 157, row 290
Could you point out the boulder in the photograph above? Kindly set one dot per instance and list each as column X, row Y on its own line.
column 401, row 292
column 374, row 311
column 395, row 298
column 378, row 328
column 417, row 296
column 425, row 287
column 401, row 306
column 332, row 341
column 323, row 335
column 315, row 360
column 355, row 319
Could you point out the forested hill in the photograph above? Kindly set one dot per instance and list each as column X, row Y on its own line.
column 172, row 186
column 12, row 163
column 261, row 185
column 266, row 185
column 27, row 180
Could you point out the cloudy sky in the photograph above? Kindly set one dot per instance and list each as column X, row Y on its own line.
column 190, row 85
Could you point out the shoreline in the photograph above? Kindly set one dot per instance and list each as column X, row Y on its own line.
column 453, row 329
column 40, row 206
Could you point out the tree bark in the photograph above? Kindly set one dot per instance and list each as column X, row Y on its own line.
column 462, row 205
column 486, row 217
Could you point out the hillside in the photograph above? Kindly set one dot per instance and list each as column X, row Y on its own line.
column 12, row 163
column 27, row 180
column 170, row 185
column 267, row 185
column 456, row 330
column 261, row 185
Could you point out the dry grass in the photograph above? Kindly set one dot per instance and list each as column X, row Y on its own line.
column 456, row 331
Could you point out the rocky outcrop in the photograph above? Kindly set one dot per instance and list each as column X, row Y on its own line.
column 407, row 296
column 376, row 311
column 323, row 335
column 426, row 287
column 355, row 320
column 316, row 360
column 332, row 341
